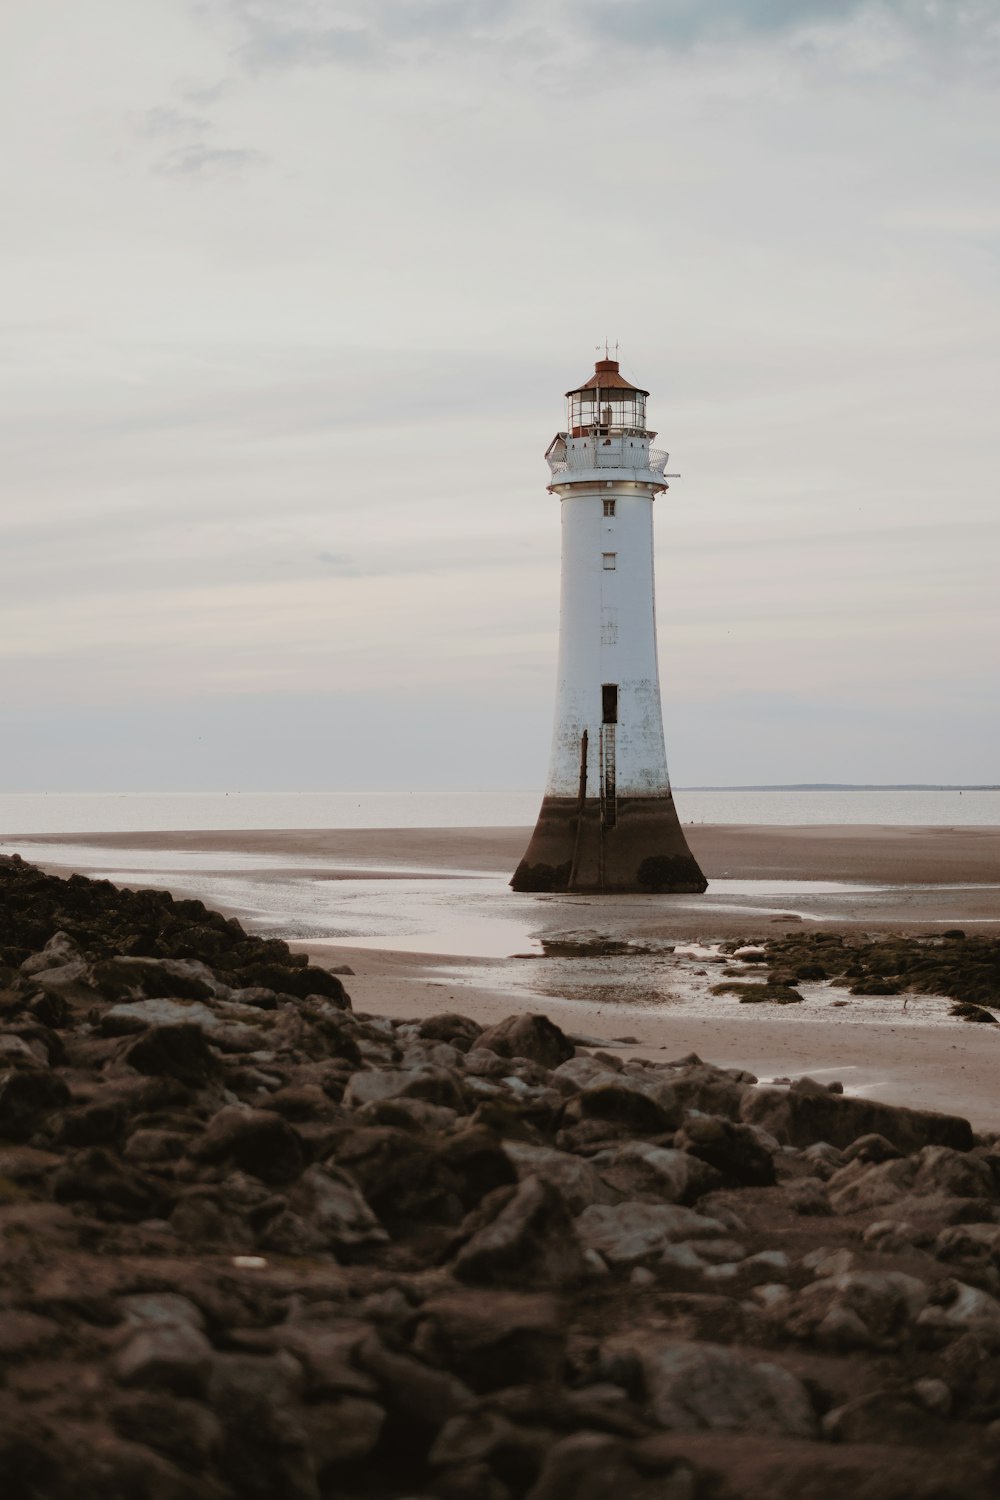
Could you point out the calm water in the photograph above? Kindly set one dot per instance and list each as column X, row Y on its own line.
column 110, row 812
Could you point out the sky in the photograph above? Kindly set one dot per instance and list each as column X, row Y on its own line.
column 290, row 294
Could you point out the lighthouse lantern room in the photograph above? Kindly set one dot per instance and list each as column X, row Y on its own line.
column 607, row 821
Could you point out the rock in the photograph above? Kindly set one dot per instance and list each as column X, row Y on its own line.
column 254, row 1139
column 27, row 1097
column 59, row 950
column 861, row 1186
column 580, row 1182
column 418, row 1399
column 713, row 1091
column 267, row 1451
column 26, row 1164
column 303, row 983
column 626, row 1106
column 808, row 1196
column 402, row 1177
column 179, row 1051
column 576, row 1072
column 331, row 1214
column 341, row 1432
column 160, row 1309
column 174, row 1357
column 732, row 1150
column 656, row 1174
column 435, row 1085
column 328, row 1355
column 532, row 1239
column 155, row 1146
column 155, row 978
column 977, row 1243
column 700, row 1385
column 478, row 1161
column 111, row 1189
column 70, row 985
column 959, row 1308
column 532, row 1036
column 798, row 1119
column 492, row 1340
column 460, row 1031
column 857, row 1309
column 25, row 1335
column 953, row 1174
column 482, row 1446
column 181, row 1430
column 871, row 1148
column 629, row 1233
column 594, row 1466
column 879, row 1417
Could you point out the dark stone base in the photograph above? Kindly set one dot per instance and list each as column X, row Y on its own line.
column 643, row 851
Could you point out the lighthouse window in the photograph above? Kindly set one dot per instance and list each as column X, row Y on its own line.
column 609, row 703
column 610, row 561
column 609, row 507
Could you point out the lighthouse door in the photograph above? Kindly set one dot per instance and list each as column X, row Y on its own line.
column 609, row 725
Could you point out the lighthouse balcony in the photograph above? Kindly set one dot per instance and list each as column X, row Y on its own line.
column 579, row 455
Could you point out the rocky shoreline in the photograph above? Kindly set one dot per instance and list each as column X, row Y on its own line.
column 253, row 1244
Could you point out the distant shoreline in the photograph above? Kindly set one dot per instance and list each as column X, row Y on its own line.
column 851, row 786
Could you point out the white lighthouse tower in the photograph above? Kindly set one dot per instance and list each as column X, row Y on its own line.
column 607, row 821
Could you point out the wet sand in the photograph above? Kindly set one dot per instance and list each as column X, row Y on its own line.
column 939, row 877
column 863, row 852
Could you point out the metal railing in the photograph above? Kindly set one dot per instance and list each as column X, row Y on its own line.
column 654, row 459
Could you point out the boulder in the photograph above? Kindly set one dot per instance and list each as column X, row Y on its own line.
column 492, row 1340
column 857, row 1309
column 179, row 1051
column 958, row 1308
column 402, row 1177
column 174, row 1357
column 629, row 1234
column 713, row 1091
column 733, row 1150
column 27, row 1097
column 640, row 1171
column 532, row 1239
column 702, row 1385
column 342, row 1431
column 418, row 1398
column 435, row 1085
column 626, row 1106
column 330, row 1214
column 800, row 1119
column 255, row 1139
column 266, row 1447
column 594, row 1466
column 532, row 1036
column 111, row 1189
column 459, row 1031
column 579, row 1181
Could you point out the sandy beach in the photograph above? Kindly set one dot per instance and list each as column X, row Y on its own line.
column 860, row 878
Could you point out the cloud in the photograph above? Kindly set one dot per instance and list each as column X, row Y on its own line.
column 281, row 34
column 165, row 121
column 338, row 563
column 682, row 23
column 201, row 161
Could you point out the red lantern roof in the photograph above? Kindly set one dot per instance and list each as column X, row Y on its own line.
column 607, row 377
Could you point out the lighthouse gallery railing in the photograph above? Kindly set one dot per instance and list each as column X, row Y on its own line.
column 654, row 459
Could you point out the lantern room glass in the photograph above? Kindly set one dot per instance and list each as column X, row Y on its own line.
column 613, row 410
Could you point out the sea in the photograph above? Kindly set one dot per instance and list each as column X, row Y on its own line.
column 26, row 813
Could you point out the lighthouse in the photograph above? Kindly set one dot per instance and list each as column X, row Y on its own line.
column 607, row 821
